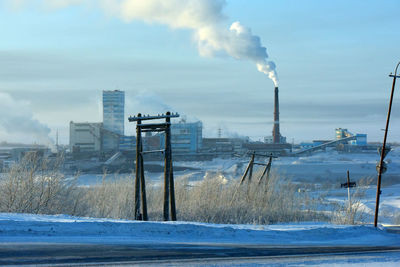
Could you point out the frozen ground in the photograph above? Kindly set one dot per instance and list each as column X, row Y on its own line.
column 322, row 167
column 68, row 229
column 320, row 175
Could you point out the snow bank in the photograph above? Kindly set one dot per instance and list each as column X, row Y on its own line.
column 69, row 229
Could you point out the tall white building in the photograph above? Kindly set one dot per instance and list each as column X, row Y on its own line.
column 113, row 118
column 113, row 111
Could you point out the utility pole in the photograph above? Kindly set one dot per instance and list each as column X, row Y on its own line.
column 383, row 152
column 140, row 186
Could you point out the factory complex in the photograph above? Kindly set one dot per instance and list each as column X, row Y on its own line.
column 106, row 143
column 105, row 139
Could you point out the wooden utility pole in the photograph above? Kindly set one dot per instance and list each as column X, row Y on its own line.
column 138, row 167
column 140, row 185
column 383, row 152
column 267, row 170
column 172, row 193
column 249, row 169
column 143, row 189
column 167, row 170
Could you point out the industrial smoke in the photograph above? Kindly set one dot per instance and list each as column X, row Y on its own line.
column 17, row 120
column 203, row 17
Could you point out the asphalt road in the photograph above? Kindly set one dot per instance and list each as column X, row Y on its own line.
column 87, row 254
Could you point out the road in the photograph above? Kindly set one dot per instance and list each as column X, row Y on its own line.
column 95, row 254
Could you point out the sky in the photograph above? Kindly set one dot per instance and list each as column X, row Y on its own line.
column 332, row 59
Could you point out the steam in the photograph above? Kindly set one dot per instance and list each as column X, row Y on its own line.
column 151, row 103
column 148, row 103
column 203, row 17
column 17, row 120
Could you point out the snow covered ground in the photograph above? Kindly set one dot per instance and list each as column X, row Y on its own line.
column 322, row 173
column 321, row 167
column 68, row 229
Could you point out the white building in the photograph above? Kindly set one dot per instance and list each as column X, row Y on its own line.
column 114, row 111
column 85, row 136
column 113, row 118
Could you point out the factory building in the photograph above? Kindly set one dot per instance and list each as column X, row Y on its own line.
column 113, row 118
column 185, row 137
column 127, row 143
column 12, row 153
column 85, row 136
column 224, row 145
column 270, row 139
column 107, row 136
column 360, row 139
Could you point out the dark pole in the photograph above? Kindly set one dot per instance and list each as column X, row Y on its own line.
column 251, row 167
column 172, row 192
column 378, row 187
column 348, row 189
column 138, row 165
column 167, row 167
column 143, row 190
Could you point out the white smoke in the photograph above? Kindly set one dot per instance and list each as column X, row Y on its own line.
column 148, row 103
column 204, row 17
column 17, row 120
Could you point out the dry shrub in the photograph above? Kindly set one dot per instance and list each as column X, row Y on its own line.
column 111, row 199
column 35, row 185
column 211, row 200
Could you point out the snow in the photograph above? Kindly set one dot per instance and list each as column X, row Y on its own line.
column 70, row 229
column 320, row 170
column 329, row 166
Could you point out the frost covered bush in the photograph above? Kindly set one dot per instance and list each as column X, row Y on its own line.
column 213, row 200
column 35, row 185
column 111, row 199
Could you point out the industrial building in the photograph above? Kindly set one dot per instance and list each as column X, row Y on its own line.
column 107, row 138
column 224, row 145
column 11, row 153
column 360, row 139
column 102, row 137
column 186, row 137
column 85, row 136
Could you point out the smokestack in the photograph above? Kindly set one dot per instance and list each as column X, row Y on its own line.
column 275, row 132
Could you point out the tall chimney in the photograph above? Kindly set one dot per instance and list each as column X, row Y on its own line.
column 275, row 132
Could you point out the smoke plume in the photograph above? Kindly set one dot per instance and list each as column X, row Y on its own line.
column 17, row 120
column 148, row 103
column 204, row 17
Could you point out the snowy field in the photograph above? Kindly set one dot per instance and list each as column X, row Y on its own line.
column 319, row 175
column 68, row 229
column 323, row 167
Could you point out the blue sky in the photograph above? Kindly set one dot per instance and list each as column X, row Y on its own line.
column 333, row 59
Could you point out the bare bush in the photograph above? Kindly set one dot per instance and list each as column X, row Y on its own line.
column 211, row 200
column 35, row 185
column 112, row 199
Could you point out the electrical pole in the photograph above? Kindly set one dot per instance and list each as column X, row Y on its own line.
column 383, row 152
